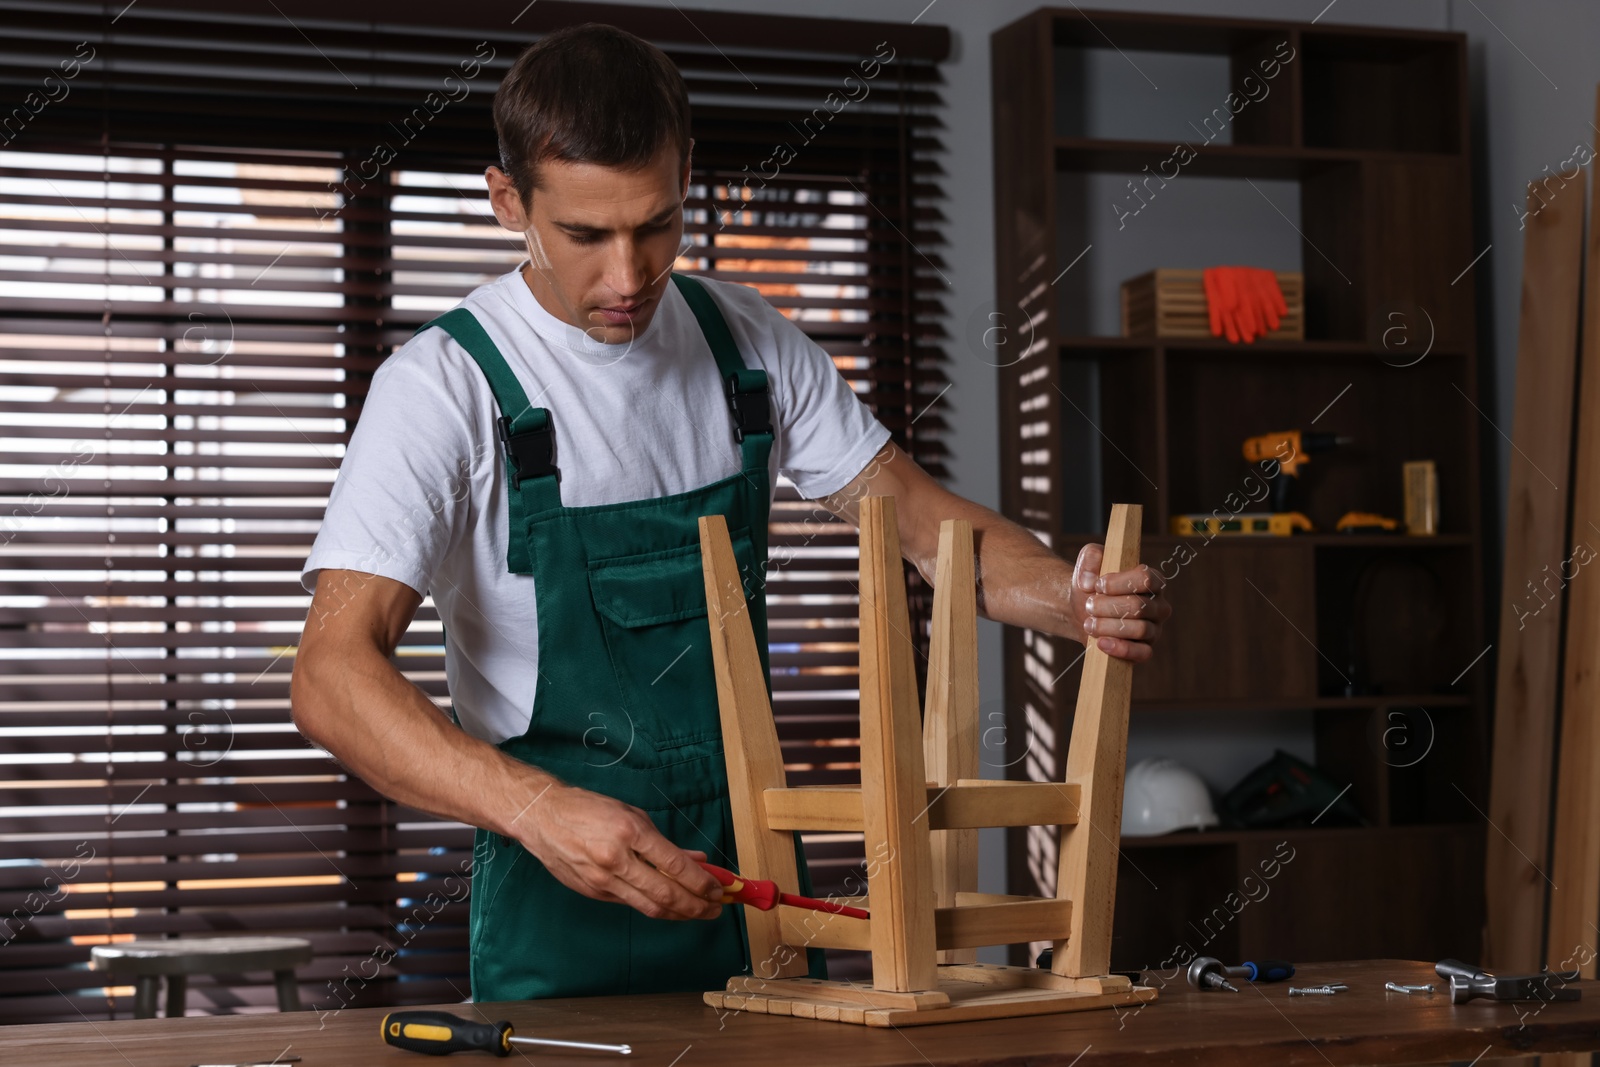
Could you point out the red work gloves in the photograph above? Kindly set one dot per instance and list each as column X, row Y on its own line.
column 1244, row 302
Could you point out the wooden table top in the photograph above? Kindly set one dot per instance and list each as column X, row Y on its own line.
column 1363, row 1026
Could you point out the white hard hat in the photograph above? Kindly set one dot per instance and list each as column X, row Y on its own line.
column 1162, row 795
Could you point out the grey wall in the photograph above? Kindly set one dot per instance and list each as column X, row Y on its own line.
column 1534, row 62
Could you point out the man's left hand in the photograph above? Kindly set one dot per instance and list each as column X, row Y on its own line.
column 1021, row 581
column 1122, row 612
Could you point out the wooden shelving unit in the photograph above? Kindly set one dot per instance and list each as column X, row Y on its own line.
column 1374, row 637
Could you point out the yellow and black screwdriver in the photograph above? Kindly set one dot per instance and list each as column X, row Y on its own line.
column 438, row 1033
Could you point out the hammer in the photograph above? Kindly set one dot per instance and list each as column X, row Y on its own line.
column 1468, row 982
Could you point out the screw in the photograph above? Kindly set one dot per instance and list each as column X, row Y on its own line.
column 1319, row 990
column 1408, row 989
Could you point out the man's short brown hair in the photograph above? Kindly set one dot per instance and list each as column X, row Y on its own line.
column 589, row 94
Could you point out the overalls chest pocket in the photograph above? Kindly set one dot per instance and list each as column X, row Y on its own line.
column 653, row 612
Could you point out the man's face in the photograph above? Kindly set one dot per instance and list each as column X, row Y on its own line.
column 601, row 241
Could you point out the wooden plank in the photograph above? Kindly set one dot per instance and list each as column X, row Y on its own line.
column 820, row 929
column 950, row 723
column 1011, row 922
column 969, row 1003
column 834, row 809
column 1528, row 650
column 750, row 741
column 980, row 804
column 849, row 993
column 893, row 785
column 1575, row 847
column 970, row 803
column 1096, row 761
column 1009, row 1005
column 964, row 899
column 994, row 974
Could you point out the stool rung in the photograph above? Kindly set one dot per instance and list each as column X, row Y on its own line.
column 981, row 919
column 969, row 804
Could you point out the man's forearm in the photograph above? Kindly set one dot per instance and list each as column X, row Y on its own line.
column 1020, row 581
column 355, row 703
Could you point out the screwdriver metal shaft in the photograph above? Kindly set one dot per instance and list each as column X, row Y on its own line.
column 592, row 1046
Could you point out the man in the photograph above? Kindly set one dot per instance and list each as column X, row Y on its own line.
column 564, row 557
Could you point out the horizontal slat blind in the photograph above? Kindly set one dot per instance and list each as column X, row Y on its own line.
column 211, row 235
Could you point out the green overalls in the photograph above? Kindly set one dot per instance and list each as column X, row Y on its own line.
column 626, row 700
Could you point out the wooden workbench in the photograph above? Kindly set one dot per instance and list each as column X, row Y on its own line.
column 1260, row 1025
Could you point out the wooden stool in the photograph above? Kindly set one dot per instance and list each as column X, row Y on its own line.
column 149, row 961
column 919, row 805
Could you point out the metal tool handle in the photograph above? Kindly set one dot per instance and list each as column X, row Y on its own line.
column 1457, row 969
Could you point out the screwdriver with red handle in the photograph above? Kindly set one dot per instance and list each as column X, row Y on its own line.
column 763, row 895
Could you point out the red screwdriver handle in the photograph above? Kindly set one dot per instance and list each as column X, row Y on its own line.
column 764, row 895
column 758, row 894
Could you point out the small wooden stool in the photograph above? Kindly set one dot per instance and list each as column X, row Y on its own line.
column 919, row 806
column 149, row 961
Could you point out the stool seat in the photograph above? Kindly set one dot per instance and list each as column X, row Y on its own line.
column 149, row 961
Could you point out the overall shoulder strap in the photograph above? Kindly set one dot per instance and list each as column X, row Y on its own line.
column 749, row 394
column 525, row 432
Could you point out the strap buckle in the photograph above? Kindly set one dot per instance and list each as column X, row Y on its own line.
column 529, row 454
column 750, row 401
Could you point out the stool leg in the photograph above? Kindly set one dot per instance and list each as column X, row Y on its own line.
column 1096, row 760
column 950, row 723
column 750, row 740
column 894, row 785
column 177, row 995
column 288, row 990
column 144, row 996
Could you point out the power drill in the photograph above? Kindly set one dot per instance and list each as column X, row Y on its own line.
column 1291, row 449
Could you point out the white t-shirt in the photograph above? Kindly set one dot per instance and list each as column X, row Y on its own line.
column 421, row 494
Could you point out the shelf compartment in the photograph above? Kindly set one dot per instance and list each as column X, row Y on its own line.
column 1109, row 408
column 1161, row 892
column 1240, row 631
column 1432, row 769
column 1391, row 622
column 1381, row 92
column 1389, row 879
column 1392, row 414
column 1236, row 894
column 1236, row 86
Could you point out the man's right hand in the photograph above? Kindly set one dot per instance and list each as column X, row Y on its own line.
column 608, row 850
column 349, row 697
